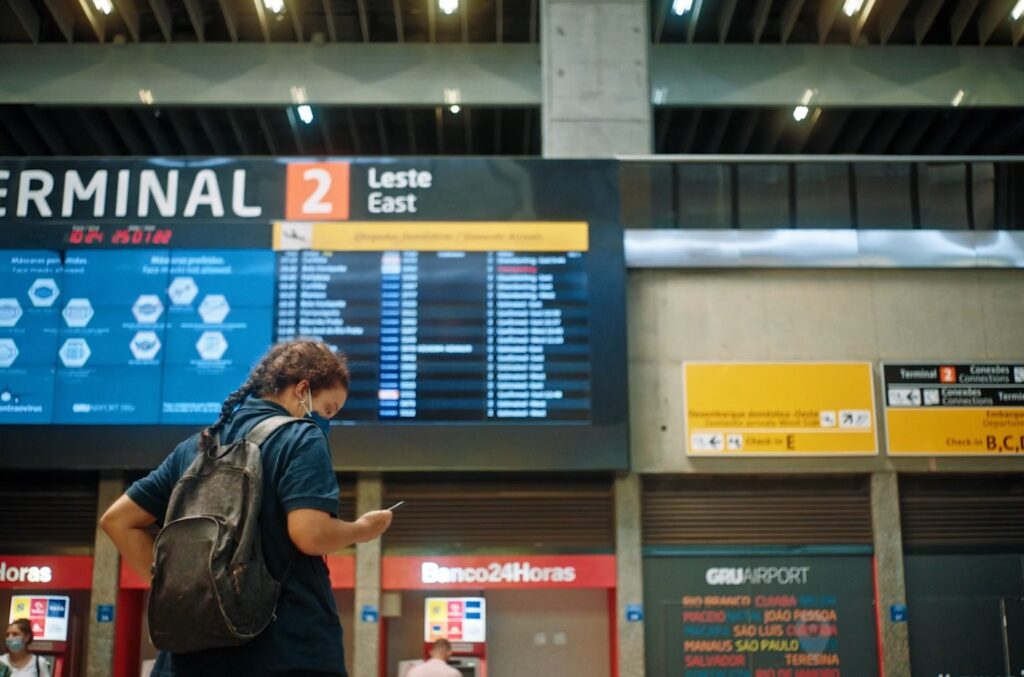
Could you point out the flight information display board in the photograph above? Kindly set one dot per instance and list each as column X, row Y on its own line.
column 484, row 325
column 162, row 336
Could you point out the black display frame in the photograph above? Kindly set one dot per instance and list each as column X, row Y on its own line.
column 589, row 194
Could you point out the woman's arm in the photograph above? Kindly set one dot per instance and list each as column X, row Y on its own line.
column 125, row 523
column 315, row 532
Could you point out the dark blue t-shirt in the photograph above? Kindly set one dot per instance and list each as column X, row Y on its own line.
column 297, row 473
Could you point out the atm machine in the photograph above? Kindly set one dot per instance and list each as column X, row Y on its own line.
column 463, row 622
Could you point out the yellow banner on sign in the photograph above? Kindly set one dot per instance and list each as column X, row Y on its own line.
column 779, row 409
column 474, row 236
column 955, row 431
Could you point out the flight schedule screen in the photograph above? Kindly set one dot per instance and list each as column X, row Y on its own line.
column 441, row 323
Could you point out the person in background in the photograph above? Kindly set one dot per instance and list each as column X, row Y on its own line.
column 437, row 666
column 19, row 661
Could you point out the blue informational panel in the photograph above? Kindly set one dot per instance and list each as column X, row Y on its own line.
column 220, row 313
column 30, row 295
column 111, row 338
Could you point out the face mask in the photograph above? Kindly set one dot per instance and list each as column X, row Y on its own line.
column 16, row 644
column 322, row 422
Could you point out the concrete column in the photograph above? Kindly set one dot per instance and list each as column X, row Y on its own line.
column 888, row 540
column 367, row 634
column 629, row 574
column 596, row 92
column 106, row 576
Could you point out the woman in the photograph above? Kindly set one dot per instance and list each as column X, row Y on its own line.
column 298, row 521
column 19, row 661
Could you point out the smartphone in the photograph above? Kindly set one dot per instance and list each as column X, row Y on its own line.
column 397, row 506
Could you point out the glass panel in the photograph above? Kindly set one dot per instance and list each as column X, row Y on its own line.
column 942, row 190
column 883, row 196
column 764, row 196
column 823, row 196
column 705, row 199
column 984, row 179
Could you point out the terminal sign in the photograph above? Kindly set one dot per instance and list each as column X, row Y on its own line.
column 955, row 409
column 779, row 409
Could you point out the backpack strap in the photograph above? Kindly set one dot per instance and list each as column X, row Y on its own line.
column 268, row 426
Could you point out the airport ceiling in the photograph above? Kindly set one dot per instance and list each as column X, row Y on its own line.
column 476, row 130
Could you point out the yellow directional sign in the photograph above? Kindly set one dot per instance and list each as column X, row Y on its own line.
column 954, row 409
column 779, row 409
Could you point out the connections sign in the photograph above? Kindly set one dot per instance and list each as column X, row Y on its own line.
column 779, row 409
column 955, row 409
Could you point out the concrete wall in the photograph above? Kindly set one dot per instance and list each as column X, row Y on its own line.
column 928, row 315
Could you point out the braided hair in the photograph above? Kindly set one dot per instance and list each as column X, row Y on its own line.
column 285, row 363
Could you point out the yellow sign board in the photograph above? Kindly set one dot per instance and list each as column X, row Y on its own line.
column 470, row 236
column 779, row 409
column 954, row 409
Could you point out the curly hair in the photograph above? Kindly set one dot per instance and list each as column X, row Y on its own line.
column 25, row 626
column 284, row 364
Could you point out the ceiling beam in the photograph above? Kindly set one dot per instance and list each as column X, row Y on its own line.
column 527, row 132
column 742, row 140
column 332, row 29
column 19, row 129
column 889, row 15
column 469, row 130
column 411, row 131
column 63, row 17
column 779, row 121
column 884, row 132
column 464, row 19
column 690, row 135
column 662, row 9
column 20, row 133
column 760, row 19
column 664, row 123
column 353, row 132
column 157, row 138
column 828, row 130
column 107, row 144
column 364, row 21
column 858, row 22
column 163, row 18
column 28, row 17
column 962, row 14
column 293, row 10
column 840, row 76
column 396, row 7
column 382, row 133
column 790, row 13
column 195, row 16
column 261, row 17
column 184, row 134
column 211, row 132
column 691, row 27
column 916, row 129
column 122, row 123
column 257, row 74
column 268, row 134
column 293, row 124
column 1018, row 31
column 325, row 130
column 714, row 140
column 241, row 138
column 991, row 16
column 969, row 135
column 827, row 15
column 925, row 17
column 533, row 21
column 47, row 131
column 725, row 19
column 96, row 19
column 231, row 18
column 499, row 21
column 942, row 134
column 857, row 131
column 439, row 129
column 130, row 15
column 431, row 22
